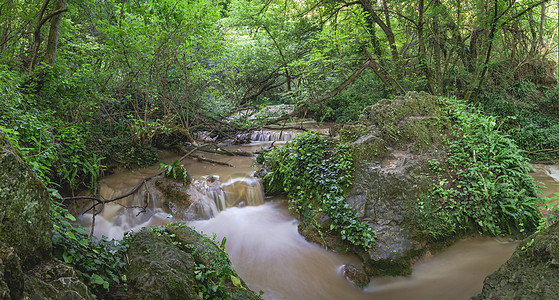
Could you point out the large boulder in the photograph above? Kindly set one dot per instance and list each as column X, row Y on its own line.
column 27, row 270
column 25, row 222
column 55, row 280
column 176, row 262
column 396, row 138
column 532, row 272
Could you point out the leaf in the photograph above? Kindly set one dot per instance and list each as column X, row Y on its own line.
column 70, row 217
column 70, row 235
column 236, row 281
column 97, row 279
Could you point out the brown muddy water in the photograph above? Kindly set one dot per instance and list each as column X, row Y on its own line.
column 269, row 253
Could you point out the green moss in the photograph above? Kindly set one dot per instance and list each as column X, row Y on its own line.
column 25, row 222
column 369, row 148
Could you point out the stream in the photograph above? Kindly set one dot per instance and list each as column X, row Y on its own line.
column 265, row 247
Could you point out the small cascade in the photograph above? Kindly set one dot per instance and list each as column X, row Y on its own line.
column 203, row 198
column 115, row 219
column 243, row 191
column 207, row 197
column 273, row 136
column 210, row 196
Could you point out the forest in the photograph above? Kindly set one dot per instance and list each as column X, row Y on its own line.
column 89, row 87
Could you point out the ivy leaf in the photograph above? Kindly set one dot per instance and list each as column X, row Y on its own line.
column 236, row 281
column 70, row 217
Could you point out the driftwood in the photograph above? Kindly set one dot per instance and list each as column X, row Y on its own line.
column 211, row 161
column 226, row 152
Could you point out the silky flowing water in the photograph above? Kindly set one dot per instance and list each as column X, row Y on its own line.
column 270, row 255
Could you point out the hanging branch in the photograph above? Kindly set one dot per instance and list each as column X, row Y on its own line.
column 102, row 202
column 329, row 95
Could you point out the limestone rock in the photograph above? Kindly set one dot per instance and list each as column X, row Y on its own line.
column 25, row 223
column 163, row 267
column 55, row 280
column 159, row 270
column 532, row 272
column 11, row 275
column 399, row 136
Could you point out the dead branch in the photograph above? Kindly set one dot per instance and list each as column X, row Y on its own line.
column 327, row 96
column 102, row 202
column 211, row 161
column 226, row 152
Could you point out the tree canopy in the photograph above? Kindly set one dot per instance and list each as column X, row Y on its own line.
column 91, row 84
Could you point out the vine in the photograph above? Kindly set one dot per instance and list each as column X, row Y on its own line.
column 314, row 172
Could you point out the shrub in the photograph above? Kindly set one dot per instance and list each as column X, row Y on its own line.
column 490, row 190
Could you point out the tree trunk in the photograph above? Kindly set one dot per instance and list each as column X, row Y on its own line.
column 366, row 5
column 55, row 16
column 542, row 27
column 421, row 44
column 52, row 45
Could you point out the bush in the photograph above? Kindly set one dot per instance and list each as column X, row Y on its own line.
column 490, row 190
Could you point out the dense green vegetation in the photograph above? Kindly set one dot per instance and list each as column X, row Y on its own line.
column 90, row 86
column 483, row 184
column 314, row 171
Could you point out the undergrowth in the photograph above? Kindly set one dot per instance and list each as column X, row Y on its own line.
column 490, row 190
column 314, row 171
column 101, row 262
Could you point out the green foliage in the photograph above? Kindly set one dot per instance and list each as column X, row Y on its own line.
column 529, row 117
column 175, row 170
column 349, row 104
column 491, row 190
column 314, row 172
column 101, row 262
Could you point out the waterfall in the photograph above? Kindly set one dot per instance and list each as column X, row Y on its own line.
column 272, row 136
column 203, row 198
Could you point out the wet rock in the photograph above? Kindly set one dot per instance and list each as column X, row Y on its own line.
column 391, row 146
column 356, row 275
column 158, row 269
column 55, row 280
column 11, row 275
column 25, row 223
column 530, row 273
column 163, row 265
column 384, row 198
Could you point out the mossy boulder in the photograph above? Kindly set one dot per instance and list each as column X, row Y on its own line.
column 27, row 270
column 55, row 280
column 395, row 139
column 165, row 262
column 532, row 272
column 25, row 222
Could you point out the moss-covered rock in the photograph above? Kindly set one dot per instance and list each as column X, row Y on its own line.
column 532, row 272
column 176, row 262
column 11, row 275
column 25, row 223
column 158, row 269
column 397, row 138
column 55, row 280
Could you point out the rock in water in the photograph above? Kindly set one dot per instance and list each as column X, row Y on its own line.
column 176, row 262
column 532, row 272
column 396, row 138
column 25, row 222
